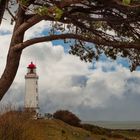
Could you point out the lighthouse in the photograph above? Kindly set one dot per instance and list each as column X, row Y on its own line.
column 31, row 90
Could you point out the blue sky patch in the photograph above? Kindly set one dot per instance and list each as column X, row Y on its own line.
column 2, row 32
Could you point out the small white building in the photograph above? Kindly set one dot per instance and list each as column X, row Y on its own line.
column 31, row 89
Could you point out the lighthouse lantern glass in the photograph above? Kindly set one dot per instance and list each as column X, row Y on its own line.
column 31, row 70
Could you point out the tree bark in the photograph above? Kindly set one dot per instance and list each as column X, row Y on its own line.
column 9, row 72
column 13, row 57
column 12, row 65
column 2, row 9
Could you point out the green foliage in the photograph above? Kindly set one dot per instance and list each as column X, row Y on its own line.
column 127, row 2
column 54, row 12
column 24, row 2
column 114, row 27
column 58, row 13
column 42, row 10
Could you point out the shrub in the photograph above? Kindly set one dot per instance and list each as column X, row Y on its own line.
column 12, row 126
column 67, row 117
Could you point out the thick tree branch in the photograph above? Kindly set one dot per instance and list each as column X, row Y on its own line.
column 116, row 44
column 27, row 24
column 33, row 19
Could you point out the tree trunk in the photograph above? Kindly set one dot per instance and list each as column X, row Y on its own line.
column 9, row 72
column 13, row 57
column 12, row 65
column 2, row 8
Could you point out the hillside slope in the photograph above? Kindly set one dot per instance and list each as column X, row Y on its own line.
column 18, row 126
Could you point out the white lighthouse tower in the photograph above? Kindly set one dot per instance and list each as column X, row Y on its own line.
column 31, row 90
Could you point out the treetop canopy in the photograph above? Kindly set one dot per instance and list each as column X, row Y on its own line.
column 112, row 25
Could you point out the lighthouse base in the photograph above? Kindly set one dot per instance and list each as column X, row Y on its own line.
column 33, row 112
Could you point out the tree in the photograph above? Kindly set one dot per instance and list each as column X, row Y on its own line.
column 2, row 8
column 112, row 27
column 67, row 117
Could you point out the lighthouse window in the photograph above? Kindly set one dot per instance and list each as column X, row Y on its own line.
column 36, row 82
column 36, row 89
column 36, row 97
column 31, row 70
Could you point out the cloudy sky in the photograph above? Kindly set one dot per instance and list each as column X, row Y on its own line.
column 105, row 90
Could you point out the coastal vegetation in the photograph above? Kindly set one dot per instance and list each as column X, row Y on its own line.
column 18, row 125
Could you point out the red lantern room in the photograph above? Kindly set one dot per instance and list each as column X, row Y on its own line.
column 31, row 68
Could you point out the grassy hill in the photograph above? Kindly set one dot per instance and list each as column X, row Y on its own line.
column 18, row 126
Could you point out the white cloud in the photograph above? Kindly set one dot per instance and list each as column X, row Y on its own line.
column 37, row 29
column 64, row 80
column 6, row 28
column 4, row 44
column 59, row 74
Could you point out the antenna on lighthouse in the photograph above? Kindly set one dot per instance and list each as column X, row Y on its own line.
column 31, row 90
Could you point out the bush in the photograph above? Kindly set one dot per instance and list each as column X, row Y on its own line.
column 67, row 117
column 13, row 126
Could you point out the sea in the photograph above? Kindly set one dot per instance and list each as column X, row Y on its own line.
column 117, row 124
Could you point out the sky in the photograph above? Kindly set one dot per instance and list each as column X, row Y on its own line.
column 105, row 90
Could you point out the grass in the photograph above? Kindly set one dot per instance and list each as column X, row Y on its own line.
column 18, row 126
column 56, row 130
column 41, row 129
